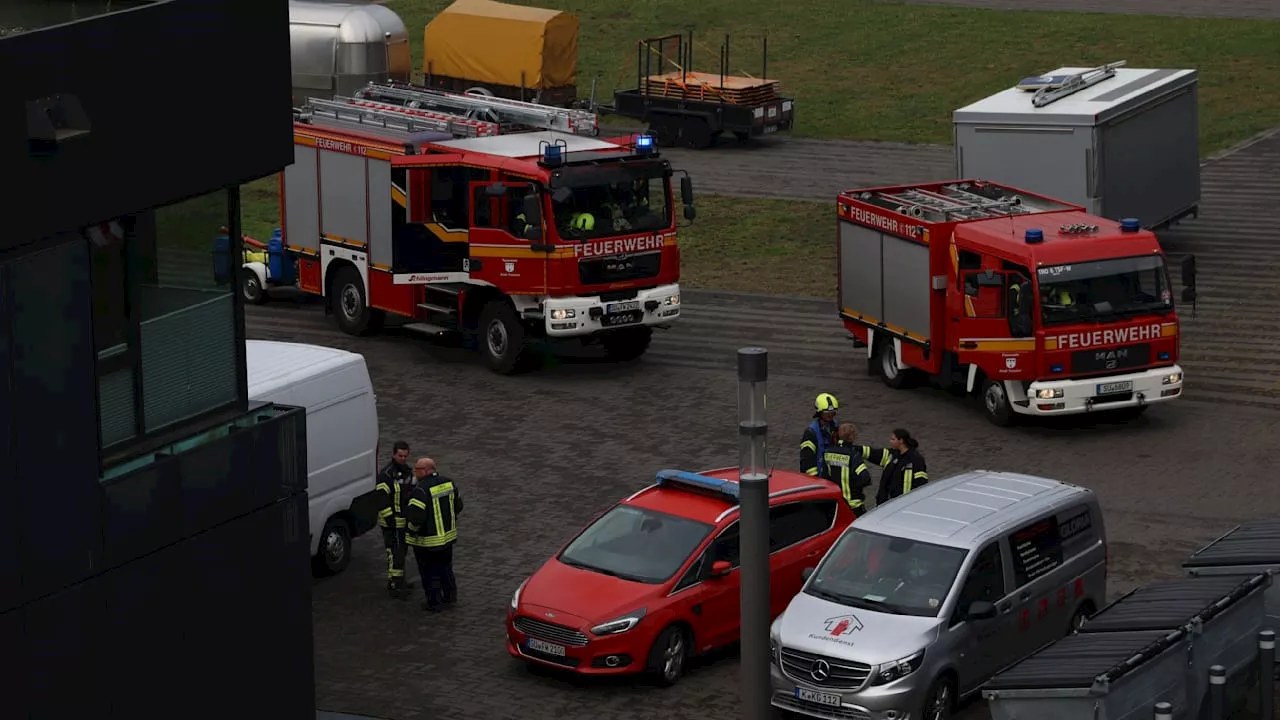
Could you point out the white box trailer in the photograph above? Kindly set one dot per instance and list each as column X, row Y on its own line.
column 1124, row 144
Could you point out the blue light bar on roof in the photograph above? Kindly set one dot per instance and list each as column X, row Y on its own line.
column 694, row 481
column 644, row 144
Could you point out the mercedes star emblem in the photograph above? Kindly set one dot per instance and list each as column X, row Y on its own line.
column 820, row 670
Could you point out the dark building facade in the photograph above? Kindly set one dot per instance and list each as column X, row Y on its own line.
column 153, row 522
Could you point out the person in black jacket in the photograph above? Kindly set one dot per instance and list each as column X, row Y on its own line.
column 904, row 468
column 395, row 482
column 845, row 468
column 432, row 516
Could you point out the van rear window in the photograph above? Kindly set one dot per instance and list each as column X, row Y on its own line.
column 1037, row 550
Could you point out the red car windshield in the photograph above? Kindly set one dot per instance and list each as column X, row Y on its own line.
column 636, row 544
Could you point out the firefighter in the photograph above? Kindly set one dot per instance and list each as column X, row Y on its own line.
column 433, row 529
column 846, row 468
column 395, row 482
column 904, row 468
column 819, row 435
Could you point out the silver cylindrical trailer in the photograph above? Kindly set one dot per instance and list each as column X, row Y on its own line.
column 337, row 48
column 1221, row 615
column 1100, row 676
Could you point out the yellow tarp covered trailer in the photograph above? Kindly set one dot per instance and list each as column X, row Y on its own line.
column 511, row 50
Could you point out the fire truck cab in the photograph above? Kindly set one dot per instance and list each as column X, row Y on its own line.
column 1030, row 303
column 502, row 238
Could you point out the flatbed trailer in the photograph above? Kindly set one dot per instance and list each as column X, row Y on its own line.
column 686, row 107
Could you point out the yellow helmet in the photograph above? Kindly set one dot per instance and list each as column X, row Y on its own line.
column 1065, row 298
column 826, row 402
column 584, row 221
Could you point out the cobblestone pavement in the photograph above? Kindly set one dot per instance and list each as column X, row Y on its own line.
column 539, row 455
column 1249, row 9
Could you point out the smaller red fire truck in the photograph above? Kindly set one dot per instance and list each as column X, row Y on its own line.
column 1034, row 305
column 396, row 205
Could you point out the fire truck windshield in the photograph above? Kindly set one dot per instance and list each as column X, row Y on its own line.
column 601, row 202
column 1103, row 289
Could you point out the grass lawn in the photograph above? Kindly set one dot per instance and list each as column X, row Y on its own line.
column 870, row 70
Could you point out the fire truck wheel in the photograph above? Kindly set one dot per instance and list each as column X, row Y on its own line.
column 251, row 287
column 995, row 401
column 894, row 375
column 501, row 337
column 629, row 344
column 350, row 305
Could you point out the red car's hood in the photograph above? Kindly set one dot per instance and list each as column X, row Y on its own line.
column 591, row 597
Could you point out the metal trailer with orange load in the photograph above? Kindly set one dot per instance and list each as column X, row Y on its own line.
column 472, row 235
column 1032, row 304
column 686, row 107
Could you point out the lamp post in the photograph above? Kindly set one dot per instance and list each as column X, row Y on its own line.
column 753, row 518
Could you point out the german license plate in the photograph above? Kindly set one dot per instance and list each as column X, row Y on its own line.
column 545, row 647
column 620, row 307
column 626, row 318
column 1113, row 388
column 817, row 698
column 770, row 129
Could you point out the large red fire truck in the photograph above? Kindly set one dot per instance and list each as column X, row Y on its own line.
column 463, row 225
column 1031, row 303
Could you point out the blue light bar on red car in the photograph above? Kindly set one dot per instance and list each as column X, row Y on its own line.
column 694, row 481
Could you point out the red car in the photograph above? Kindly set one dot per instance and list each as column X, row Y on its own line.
column 654, row 580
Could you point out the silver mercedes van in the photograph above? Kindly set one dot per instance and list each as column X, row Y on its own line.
column 926, row 597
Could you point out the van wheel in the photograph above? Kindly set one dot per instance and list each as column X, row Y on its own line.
column 251, row 287
column 501, row 337
column 995, row 402
column 667, row 656
column 335, row 548
column 894, row 375
column 940, row 703
column 350, row 304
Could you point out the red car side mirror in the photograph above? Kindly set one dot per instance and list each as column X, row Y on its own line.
column 720, row 568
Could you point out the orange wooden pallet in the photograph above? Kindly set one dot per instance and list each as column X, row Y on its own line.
column 736, row 90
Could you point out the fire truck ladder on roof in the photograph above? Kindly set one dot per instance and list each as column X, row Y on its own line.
column 485, row 107
column 390, row 121
column 954, row 202
column 1072, row 84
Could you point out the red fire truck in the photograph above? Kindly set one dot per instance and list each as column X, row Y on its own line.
column 1032, row 304
column 504, row 238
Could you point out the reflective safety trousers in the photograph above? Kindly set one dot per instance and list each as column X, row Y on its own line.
column 433, row 513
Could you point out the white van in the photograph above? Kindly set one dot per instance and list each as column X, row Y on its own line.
column 342, row 436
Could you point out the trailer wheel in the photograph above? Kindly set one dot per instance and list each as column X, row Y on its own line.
column 251, row 287
column 995, row 401
column 350, row 304
column 501, row 338
column 666, row 130
column 894, row 375
column 697, row 134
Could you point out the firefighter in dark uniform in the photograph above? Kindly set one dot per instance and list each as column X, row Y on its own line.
column 904, row 468
column 433, row 514
column 845, row 467
column 819, row 436
column 395, row 482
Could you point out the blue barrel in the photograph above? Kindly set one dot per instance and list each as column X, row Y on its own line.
column 278, row 263
column 222, row 259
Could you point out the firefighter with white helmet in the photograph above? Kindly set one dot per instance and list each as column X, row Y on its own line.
column 820, row 435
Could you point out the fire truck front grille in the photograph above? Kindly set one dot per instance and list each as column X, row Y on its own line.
column 1107, row 359
column 618, row 268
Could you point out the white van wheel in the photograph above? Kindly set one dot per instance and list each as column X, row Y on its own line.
column 334, row 553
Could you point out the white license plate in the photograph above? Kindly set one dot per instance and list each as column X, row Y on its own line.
column 612, row 308
column 818, row 698
column 770, row 129
column 545, row 647
column 1115, row 387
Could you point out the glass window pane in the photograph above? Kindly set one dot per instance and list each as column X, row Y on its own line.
column 188, row 341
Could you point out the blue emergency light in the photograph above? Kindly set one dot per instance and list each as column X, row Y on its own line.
column 1055, row 368
column 644, row 144
column 1130, row 225
column 553, row 155
column 694, row 481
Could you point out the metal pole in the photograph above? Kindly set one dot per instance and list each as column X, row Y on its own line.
column 1266, row 674
column 1164, row 711
column 753, row 480
column 1217, row 693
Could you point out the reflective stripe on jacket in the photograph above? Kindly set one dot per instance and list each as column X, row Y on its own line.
column 813, row 445
column 846, row 469
column 391, row 494
column 433, row 513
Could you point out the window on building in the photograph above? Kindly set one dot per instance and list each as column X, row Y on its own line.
column 165, row 324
